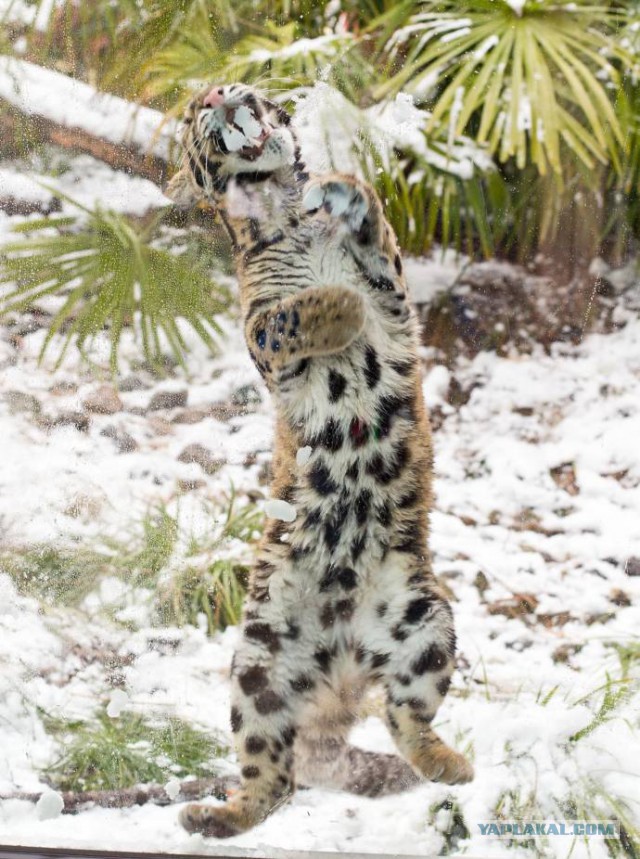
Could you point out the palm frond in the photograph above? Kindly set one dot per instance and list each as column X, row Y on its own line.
column 534, row 84
column 109, row 274
column 274, row 55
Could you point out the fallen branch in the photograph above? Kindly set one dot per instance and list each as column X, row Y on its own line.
column 141, row 795
column 74, row 115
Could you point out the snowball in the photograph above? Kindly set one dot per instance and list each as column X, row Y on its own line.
column 117, row 703
column 277, row 509
column 247, row 122
column 436, row 385
column 49, row 805
column 313, row 198
column 304, row 455
column 172, row 788
column 233, row 139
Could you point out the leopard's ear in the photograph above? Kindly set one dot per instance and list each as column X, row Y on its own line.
column 183, row 190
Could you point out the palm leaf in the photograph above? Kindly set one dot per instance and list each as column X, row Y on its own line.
column 110, row 274
column 531, row 85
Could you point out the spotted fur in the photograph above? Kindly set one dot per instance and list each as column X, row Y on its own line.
column 343, row 596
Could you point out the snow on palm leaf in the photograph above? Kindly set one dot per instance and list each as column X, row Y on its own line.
column 431, row 181
column 531, row 78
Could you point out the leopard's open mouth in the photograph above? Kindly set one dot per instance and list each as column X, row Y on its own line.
column 236, row 129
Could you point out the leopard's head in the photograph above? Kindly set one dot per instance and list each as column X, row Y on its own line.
column 230, row 131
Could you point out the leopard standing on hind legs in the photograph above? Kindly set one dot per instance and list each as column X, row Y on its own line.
column 343, row 596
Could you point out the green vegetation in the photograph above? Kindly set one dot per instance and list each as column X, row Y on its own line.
column 527, row 132
column 615, row 693
column 110, row 274
column 113, row 753
column 187, row 578
column 56, row 576
column 215, row 592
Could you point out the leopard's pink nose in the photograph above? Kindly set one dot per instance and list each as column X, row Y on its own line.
column 214, row 98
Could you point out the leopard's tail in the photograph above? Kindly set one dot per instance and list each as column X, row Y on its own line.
column 331, row 762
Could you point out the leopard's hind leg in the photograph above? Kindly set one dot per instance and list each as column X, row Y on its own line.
column 416, row 672
column 273, row 673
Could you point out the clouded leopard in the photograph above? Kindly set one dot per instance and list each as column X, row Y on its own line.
column 343, row 596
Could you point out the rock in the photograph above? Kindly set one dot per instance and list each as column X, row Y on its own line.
column 565, row 651
column 132, row 383
column 125, row 443
column 599, row 617
column 555, row 619
column 515, row 606
column 189, row 416
column 481, row 583
column 63, row 389
column 85, row 507
column 519, row 644
column 564, row 476
column 620, row 598
column 225, row 411
column 21, row 403
column 190, row 485
column 160, row 426
column 79, row 420
column 168, row 400
column 247, row 395
column 202, row 456
column 632, row 567
column 103, row 400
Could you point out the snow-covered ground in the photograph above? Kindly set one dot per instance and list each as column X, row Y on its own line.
column 536, row 532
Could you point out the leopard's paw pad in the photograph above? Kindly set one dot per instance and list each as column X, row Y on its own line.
column 340, row 200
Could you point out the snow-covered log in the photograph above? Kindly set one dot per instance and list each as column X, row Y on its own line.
column 129, row 797
column 73, row 114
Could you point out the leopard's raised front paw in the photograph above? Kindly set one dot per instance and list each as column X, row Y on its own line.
column 215, row 821
column 340, row 200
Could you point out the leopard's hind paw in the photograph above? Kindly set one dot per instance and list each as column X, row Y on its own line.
column 215, row 821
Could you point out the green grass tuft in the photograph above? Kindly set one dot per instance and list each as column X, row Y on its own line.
column 152, row 551
column 55, row 576
column 111, row 754
column 217, row 593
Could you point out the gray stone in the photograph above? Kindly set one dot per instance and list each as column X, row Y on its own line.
column 189, row 416
column 247, row 395
column 168, row 400
column 201, row 455
column 632, row 567
column 103, row 400
column 21, row 403
column 79, row 420
column 133, row 383
column 124, row 442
